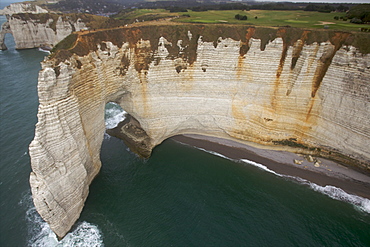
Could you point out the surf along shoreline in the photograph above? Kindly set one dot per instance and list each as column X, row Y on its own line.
column 325, row 173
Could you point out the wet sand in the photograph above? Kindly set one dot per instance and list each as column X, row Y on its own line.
column 324, row 172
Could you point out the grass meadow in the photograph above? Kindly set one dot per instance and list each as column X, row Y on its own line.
column 301, row 19
column 275, row 18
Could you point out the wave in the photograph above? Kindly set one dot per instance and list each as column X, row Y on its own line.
column 338, row 194
column 214, row 153
column 363, row 204
column 106, row 136
column 40, row 234
column 44, row 50
column 263, row 167
column 114, row 114
column 333, row 192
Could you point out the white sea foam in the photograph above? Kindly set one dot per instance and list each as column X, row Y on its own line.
column 40, row 234
column 43, row 50
column 359, row 202
column 106, row 136
column 114, row 114
column 333, row 192
column 261, row 167
column 338, row 194
column 214, row 153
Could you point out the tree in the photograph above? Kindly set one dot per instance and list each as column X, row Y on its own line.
column 326, row 8
column 342, row 8
column 311, row 7
column 361, row 11
column 356, row 21
column 241, row 17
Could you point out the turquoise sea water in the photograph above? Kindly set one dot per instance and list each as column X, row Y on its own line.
column 181, row 196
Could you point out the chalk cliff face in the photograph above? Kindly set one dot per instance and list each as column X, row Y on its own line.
column 39, row 30
column 287, row 89
column 16, row 8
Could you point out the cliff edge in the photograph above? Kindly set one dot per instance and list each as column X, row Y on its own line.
column 288, row 89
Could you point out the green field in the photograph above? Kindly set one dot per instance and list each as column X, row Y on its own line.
column 302, row 19
column 144, row 15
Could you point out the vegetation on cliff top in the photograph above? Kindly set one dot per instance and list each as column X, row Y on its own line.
column 301, row 19
column 361, row 12
column 67, row 43
column 139, row 15
column 83, row 43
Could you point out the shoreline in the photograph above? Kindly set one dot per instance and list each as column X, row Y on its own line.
column 324, row 172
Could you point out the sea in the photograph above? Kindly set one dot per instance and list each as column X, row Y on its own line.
column 180, row 196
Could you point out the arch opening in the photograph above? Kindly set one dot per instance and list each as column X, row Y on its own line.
column 9, row 41
column 114, row 114
column 6, row 40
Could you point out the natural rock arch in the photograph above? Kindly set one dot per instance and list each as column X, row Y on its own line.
column 5, row 29
column 199, row 80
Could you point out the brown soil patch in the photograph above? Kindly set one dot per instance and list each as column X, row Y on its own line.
column 325, row 23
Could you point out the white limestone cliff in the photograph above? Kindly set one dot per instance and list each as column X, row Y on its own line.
column 31, row 31
column 309, row 97
column 16, row 8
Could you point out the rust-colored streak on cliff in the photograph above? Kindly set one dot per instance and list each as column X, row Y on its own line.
column 244, row 46
column 281, row 63
column 240, row 69
column 144, row 93
column 310, row 106
column 143, row 56
column 337, row 40
column 125, row 64
column 132, row 36
column 281, row 33
column 324, row 62
column 249, row 34
column 190, row 51
column 298, row 49
column 290, row 37
column 296, row 54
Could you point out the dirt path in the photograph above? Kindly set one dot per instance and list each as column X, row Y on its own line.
column 325, row 23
